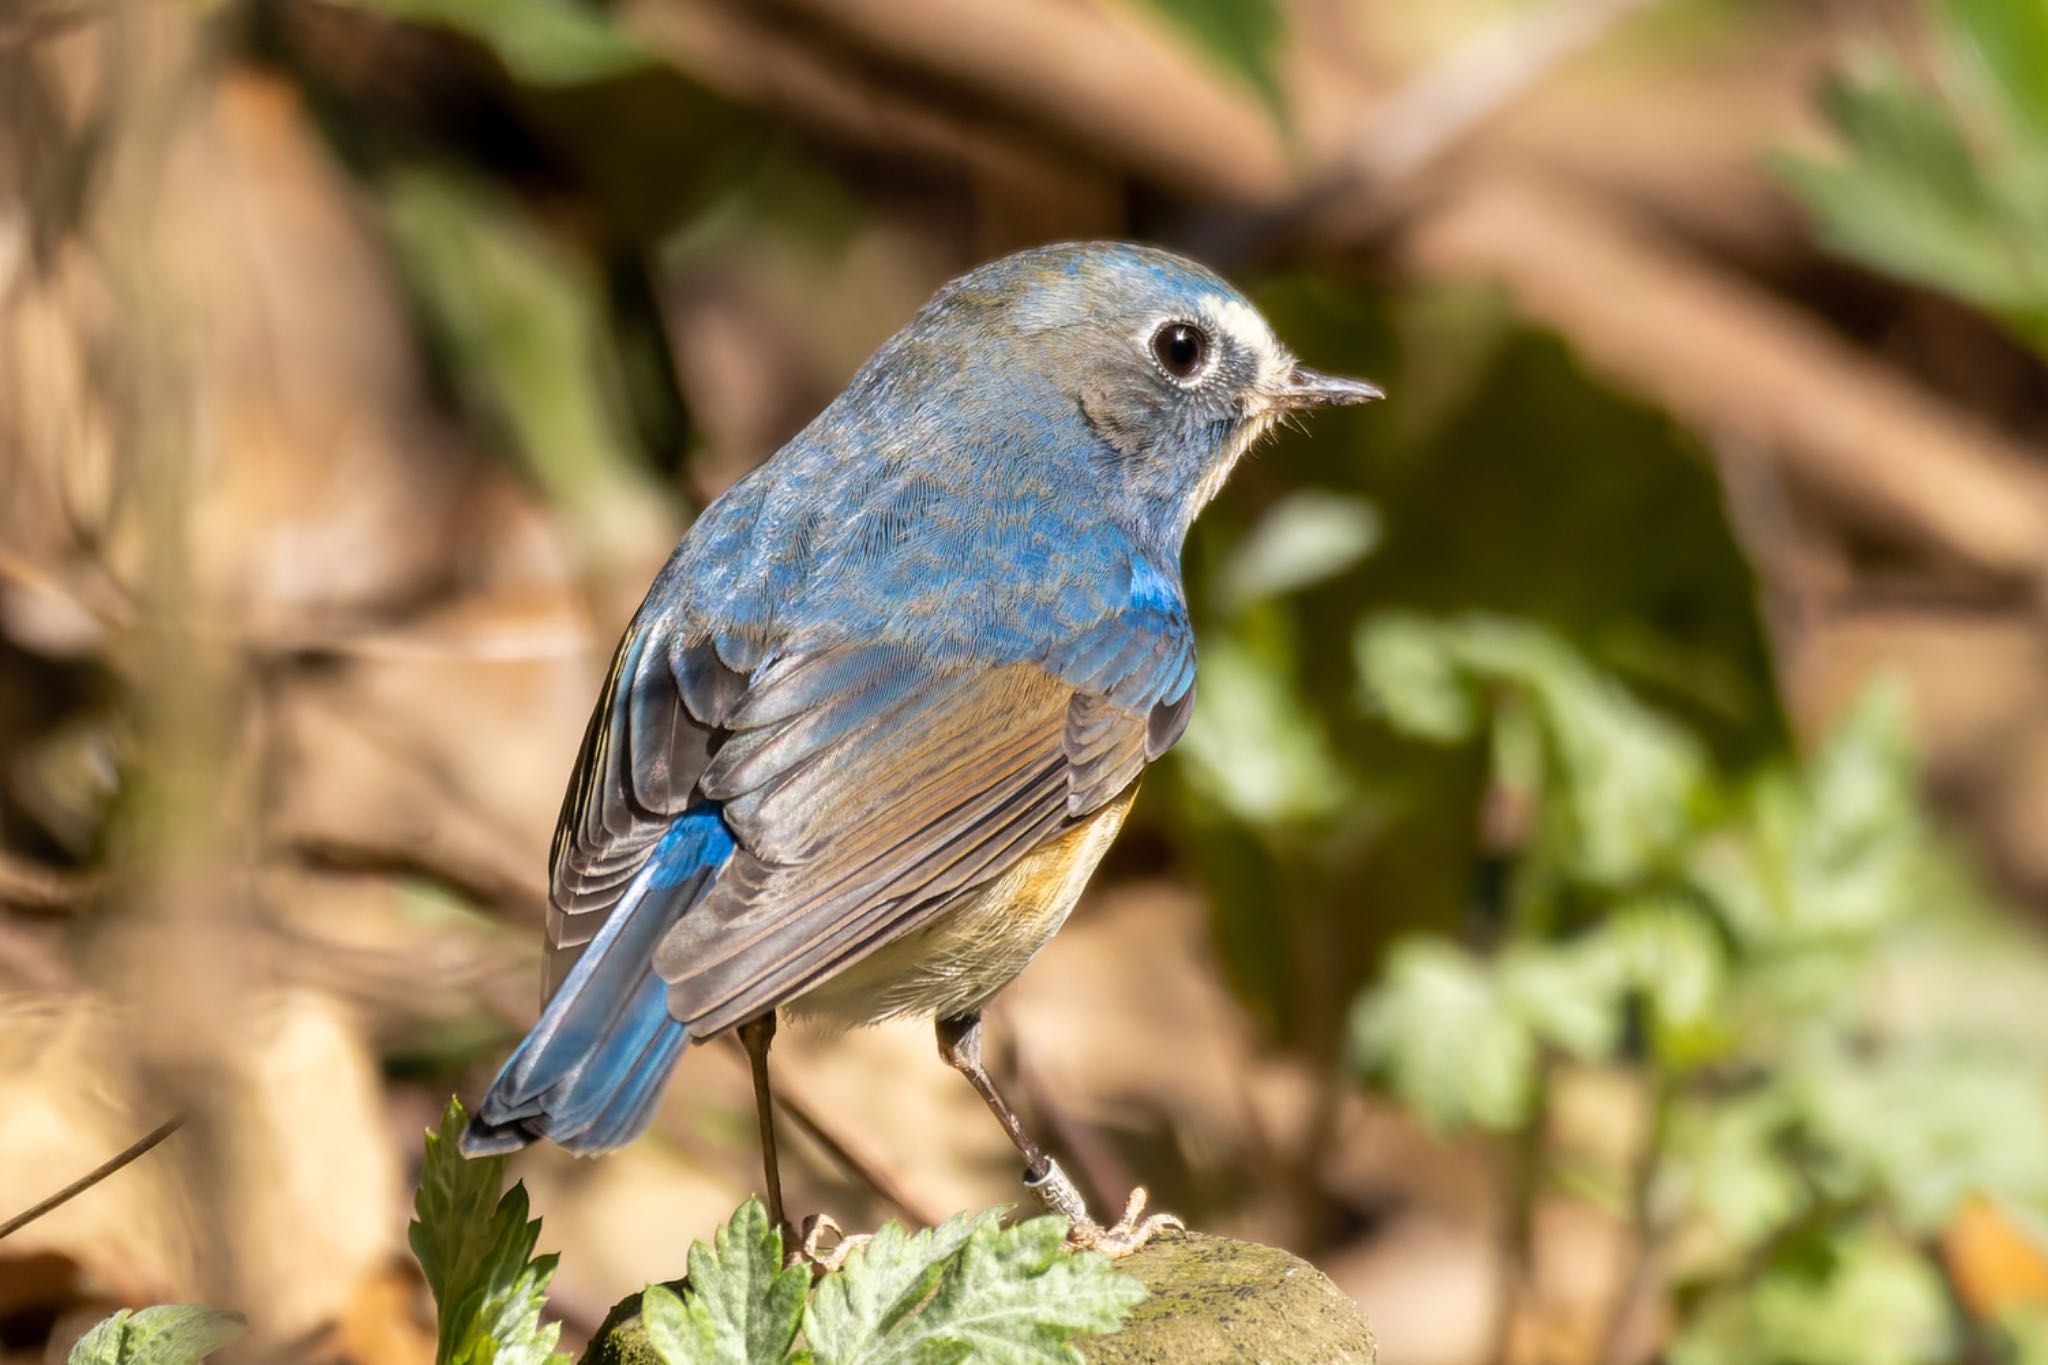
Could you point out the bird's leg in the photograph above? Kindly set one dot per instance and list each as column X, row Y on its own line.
column 755, row 1035
column 960, row 1046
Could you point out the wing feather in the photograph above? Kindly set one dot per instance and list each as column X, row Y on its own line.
column 867, row 788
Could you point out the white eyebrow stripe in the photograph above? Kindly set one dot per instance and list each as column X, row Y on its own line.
column 1249, row 330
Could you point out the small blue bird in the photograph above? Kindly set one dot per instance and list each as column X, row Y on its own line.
column 887, row 704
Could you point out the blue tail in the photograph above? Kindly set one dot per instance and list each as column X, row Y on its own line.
column 589, row 1073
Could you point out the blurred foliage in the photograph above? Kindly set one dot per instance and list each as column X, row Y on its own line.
column 541, row 42
column 1946, row 182
column 1243, row 37
column 969, row 1289
column 1823, row 1012
column 528, row 344
column 1322, row 835
column 168, row 1334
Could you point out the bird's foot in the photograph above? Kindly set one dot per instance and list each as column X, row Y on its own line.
column 1128, row 1233
column 810, row 1248
column 1125, row 1236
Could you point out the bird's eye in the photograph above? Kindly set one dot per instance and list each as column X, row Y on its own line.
column 1180, row 348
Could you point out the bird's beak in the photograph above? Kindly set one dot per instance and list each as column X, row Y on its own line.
column 1306, row 388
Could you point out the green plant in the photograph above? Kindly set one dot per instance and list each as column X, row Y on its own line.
column 168, row 1334
column 1814, row 1007
column 970, row 1289
column 1944, row 181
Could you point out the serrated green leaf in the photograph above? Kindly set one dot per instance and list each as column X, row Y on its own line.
column 679, row 1333
column 742, row 1306
column 882, row 1283
column 969, row 1290
column 541, row 42
column 476, row 1250
column 167, row 1334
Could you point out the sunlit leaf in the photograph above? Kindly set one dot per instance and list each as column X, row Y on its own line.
column 742, row 1305
column 1918, row 194
column 970, row 1290
column 1442, row 1036
column 167, row 1334
column 475, row 1249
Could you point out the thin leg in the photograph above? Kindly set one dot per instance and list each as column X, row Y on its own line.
column 960, row 1046
column 756, row 1034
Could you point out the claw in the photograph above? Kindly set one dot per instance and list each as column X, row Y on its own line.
column 822, row 1261
column 1130, row 1232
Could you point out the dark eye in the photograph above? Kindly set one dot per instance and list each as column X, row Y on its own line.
column 1181, row 348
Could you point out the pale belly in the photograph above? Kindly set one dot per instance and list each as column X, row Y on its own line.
column 952, row 965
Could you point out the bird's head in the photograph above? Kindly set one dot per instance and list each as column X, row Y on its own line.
column 1162, row 374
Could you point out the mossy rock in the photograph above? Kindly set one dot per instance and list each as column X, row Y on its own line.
column 1214, row 1300
column 1219, row 1300
column 622, row 1339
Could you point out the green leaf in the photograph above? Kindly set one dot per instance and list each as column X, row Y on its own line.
column 1954, row 196
column 1252, row 750
column 742, row 1305
column 1666, row 951
column 1923, row 1127
column 1727, row 1166
column 883, row 1283
column 541, row 42
column 2008, row 42
column 168, row 1334
column 1619, row 782
column 520, row 322
column 1831, row 856
column 1865, row 1300
column 968, row 1290
column 1446, row 1039
column 1241, row 36
column 476, row 1250
column 1304, row 538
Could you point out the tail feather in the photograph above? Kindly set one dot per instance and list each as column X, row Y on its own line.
column 588, row 1074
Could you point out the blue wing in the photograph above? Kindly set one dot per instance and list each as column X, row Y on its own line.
column 729, row 842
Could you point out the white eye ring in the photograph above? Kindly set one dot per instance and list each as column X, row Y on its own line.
column 1183, row 350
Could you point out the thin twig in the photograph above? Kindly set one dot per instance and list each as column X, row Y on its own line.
column 855, row 1163
column 1448, row 102
column 35, row 886
column 93, row 1177
column 1642, row 1281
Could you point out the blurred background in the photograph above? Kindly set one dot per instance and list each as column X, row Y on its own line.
column 1596, row 913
